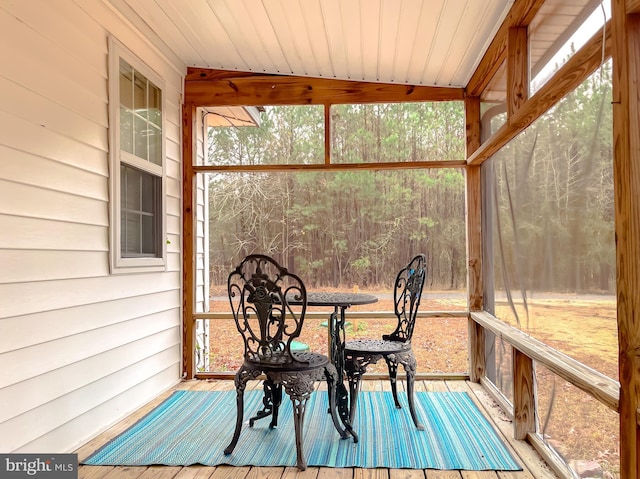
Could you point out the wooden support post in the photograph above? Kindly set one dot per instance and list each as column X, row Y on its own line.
column 477, row 352
column 474, row 241
column 189, row 138
column 517, row 69
column 626, row 170
column 523, row 395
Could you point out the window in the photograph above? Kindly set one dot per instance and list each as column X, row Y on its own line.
column 137, row 164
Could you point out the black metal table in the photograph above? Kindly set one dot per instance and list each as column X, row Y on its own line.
column 336, row 340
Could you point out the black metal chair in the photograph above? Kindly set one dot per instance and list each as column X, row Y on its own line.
column 395, row 348
column 258, row 289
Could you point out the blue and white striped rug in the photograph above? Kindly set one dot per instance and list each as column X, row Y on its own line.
column 194, row 427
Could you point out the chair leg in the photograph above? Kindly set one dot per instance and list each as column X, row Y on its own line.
column 270, row 403
column 299, row 407
column 410, row 367
column 393, row 378
column 299, row 386
column 242, row 377
column 277, row 400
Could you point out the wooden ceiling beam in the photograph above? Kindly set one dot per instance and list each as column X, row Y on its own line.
column 206, row 87
column 566, row 79
column 633, row 6
column 521, row 14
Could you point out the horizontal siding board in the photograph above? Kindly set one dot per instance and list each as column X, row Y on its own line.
column 174, row 262
column 173, row 152
column 47, row 204
column 20, row 167
column 72, row 434
column 174, row 206
column 174, row 101
column 29, row 394
column 174, row 224
column 53, row 295
column 67, row 27
column 17, row 433
column 174, row 136
column 32, row 107
column 20, row 266
column 67, row 350
column 29, row 75
column 35, row 49
column 173, row 243
column 174, row 187
column 173, row 169
column 26, row 136
column 25, row 331
column 18, row 232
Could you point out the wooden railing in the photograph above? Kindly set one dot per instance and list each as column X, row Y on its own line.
column 601, row 387
column 526, row 350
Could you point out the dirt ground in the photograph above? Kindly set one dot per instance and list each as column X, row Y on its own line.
column 577, row 426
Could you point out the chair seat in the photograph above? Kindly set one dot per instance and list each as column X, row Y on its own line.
column 304, row 361
column 375, row 346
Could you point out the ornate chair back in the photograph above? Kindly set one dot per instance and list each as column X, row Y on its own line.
column 407, row 295
column 258, row 290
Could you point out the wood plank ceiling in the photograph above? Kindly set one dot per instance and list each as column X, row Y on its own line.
column 415, row 42
column 418, row 42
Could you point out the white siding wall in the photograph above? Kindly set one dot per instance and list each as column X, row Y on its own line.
column 202, row 253
column 79, row 348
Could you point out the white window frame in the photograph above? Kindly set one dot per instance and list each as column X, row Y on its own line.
column 118, row 263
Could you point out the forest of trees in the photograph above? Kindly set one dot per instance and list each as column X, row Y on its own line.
column 553, row 195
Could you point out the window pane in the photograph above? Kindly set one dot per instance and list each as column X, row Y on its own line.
column 155, row 144
column 397, row 132
column 130, row 188
column 131, row 234
column 141, row 133
column 140, row 213
column 140, row 94
column 126, row 107
column 126, row 85
column 155, row 105
column 126, row 130
column 148, row 241
column 140, row 115
column 148, row 196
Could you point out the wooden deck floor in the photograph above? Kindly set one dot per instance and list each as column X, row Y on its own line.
column 533, row 466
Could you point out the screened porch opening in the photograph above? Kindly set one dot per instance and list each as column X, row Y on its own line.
column 547, row 225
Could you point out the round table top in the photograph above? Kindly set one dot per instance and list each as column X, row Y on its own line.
column 339, row 299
